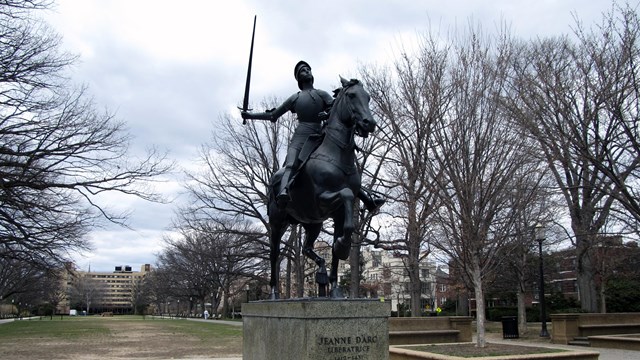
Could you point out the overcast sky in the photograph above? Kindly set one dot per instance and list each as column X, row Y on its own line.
column 170, row 69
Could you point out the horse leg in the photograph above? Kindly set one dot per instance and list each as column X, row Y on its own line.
column 342, row 239
column 277, row 230
column 311, row 233
column 372, row 203
column 335, row 291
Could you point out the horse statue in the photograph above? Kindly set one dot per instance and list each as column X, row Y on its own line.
column 325, row 186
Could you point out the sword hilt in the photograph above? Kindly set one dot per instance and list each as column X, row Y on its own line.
column 244, row 121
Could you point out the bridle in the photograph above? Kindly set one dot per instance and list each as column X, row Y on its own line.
column 351, row 130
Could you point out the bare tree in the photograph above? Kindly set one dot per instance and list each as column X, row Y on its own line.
column 141, row 295
column 207, row 259
column 569, row 100
column 87, row 291
column 238, row 165
column 29, row 283
column 159, row 284
column 478, row 161
column 57, row 153
column 540, row 209
column 409, row 101
column 608, row 61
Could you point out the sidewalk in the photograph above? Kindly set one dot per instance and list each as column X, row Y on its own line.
column 605, row 354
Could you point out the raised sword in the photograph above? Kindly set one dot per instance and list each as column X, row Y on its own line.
column 245, row 101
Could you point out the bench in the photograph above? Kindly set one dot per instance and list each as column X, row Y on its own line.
column 429, row 330
column 423, row 337
column 568, row 327
column 608, row 329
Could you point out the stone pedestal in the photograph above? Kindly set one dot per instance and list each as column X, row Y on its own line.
column 316, row 329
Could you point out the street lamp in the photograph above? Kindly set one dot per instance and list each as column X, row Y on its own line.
column 540, row 237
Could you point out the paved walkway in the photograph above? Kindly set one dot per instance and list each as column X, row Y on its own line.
column 605, row 354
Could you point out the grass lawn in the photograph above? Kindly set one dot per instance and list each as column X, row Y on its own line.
column 118, row 337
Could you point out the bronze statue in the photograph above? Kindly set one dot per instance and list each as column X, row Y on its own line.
column 325, row 186
column 311, row 106
column 327, row 181
column 308, row 104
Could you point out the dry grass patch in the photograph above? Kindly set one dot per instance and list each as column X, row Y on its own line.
column 119, row 337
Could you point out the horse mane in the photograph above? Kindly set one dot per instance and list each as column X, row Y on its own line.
column 345, row 85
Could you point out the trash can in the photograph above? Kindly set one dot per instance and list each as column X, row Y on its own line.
column 510, row 327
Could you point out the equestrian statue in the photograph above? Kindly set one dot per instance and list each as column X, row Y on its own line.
column 319, row 179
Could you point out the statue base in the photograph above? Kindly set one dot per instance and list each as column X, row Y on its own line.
column 316, row 329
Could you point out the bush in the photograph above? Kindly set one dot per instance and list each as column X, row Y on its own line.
column 496, row 313
column 622, row 295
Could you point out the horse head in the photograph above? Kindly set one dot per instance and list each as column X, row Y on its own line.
column 352, row 103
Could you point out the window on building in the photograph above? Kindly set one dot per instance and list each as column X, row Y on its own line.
column 376, row 260
column 425, row 287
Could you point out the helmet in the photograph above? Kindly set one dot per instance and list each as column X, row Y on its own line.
column 299, row 66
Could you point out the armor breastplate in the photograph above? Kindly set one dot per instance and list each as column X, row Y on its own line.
column 308, row 105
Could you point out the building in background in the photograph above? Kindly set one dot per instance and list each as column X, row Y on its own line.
column 386, row 275
column 112, row 291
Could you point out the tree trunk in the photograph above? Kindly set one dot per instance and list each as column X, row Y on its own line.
column 413, row 269
column 355, row 254
column 480, row 306
column 416, row 293
column 287, row 288
column 520, row 296
column 586, row 276
column 225, row 304
column 603, row 300
column 354, row 264
column 413, row 266
column 522, row 313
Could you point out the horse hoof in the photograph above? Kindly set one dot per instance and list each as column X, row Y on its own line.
column 336, row 293
column 375, row 205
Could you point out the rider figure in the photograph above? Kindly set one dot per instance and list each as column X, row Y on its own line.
column 311, row 105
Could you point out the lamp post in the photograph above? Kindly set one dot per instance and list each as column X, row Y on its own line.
column 540, row 237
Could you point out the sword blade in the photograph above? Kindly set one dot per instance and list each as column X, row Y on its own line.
column 245, row 101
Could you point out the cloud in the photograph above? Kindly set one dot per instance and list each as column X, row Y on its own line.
column 171, row 69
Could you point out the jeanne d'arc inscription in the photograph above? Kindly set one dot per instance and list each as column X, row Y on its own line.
column 347, row 347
